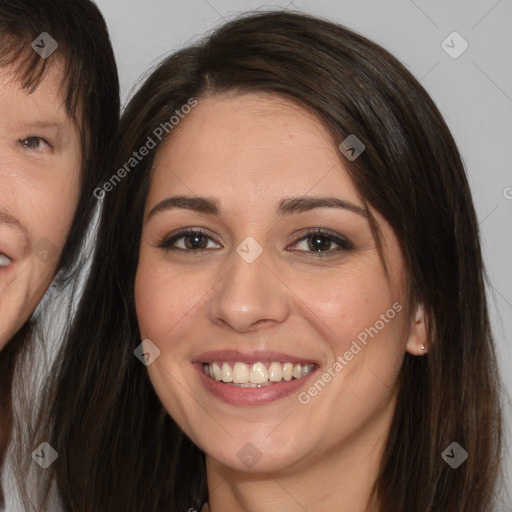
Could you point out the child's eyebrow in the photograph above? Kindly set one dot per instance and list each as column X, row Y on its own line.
column 45, row 124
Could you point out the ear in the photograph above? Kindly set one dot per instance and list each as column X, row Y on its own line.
column 417, row 341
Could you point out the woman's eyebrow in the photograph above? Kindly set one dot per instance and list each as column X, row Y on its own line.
column 199, row 204
column 287, row 206
column 303, row 204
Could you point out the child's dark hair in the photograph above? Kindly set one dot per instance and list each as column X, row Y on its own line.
column 90, row 90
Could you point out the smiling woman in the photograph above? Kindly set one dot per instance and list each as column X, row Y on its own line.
column 306, row 230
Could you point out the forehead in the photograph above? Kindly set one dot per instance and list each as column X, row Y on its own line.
column 47, row 99
column 253, row 143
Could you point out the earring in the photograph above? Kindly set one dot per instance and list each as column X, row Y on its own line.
column 423, row 347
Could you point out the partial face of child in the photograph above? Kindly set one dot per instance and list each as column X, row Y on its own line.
column 40, row 162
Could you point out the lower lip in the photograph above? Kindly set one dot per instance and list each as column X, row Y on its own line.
column 237, row 395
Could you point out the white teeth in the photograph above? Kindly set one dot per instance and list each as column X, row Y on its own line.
column 4, row 261
column 275, row 372
column 287, row 371
column 240, row 373
column 259, row 373
column 217, row 372
column 256, row 374
column 226, row 373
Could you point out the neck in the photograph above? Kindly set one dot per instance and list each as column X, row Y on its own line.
column 341, row 479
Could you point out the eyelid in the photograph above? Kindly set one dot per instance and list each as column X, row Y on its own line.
column 166, row 241
column 343, row 243
column 21, row 140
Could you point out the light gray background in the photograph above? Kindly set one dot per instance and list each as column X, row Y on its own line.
column 473, row 91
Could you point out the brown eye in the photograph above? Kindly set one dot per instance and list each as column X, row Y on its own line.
column 321, row 242
column 190, row 240
column 196, row 241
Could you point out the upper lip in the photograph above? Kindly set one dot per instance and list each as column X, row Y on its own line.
column 250, row 357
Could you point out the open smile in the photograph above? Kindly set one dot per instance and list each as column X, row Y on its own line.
column 255, row 378
column 256, row 375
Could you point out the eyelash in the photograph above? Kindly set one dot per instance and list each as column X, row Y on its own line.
column 342, row 242
column 22, row 142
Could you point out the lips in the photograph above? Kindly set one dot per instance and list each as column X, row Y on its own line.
column 254, row 378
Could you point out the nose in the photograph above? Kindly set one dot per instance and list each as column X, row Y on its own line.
column 249, row 297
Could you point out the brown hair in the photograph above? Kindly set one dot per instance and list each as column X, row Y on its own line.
column 411, row 172
column 91, row 95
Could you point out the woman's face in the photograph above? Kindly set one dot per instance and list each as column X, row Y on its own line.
column 282, row 290
column 39, row 189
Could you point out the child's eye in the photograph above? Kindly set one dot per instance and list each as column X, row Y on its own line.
column 33, row 143
column 319, row 242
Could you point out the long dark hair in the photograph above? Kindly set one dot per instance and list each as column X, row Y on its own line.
column 91, row 96
column 120, row 450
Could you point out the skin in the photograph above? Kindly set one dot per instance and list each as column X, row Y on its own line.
column 249, row 152
column 39, row 191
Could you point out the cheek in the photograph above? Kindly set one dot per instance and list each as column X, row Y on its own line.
column 344, row 304
column 162, row 299
column 65, row 191
column 149, row 311
column 49, row 205
column 165, row 303
column 59, row 211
